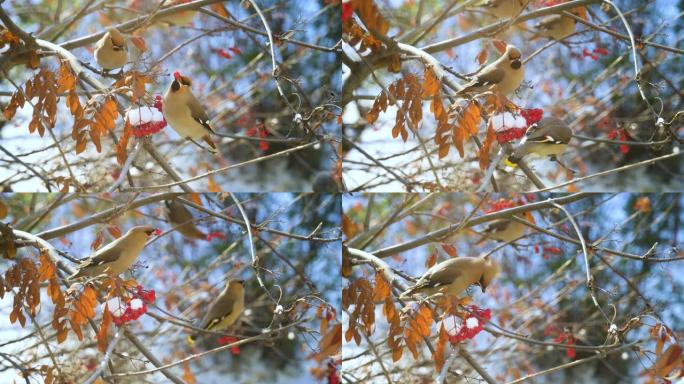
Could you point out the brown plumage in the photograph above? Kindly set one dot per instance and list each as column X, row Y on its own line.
column 556, row 27
column 179, row 18
column 111, row 50
column 453, row 276
column 502, row 76
column 504, row 9
column 224, row 310
column 180, row 217
column 505, row 229
column 117, row 256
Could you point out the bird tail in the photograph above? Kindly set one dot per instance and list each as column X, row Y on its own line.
column 210, row 142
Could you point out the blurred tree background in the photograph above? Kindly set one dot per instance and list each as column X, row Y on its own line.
column 226, row 52
column 297, row 247
column 587, row 80
column 541, row 296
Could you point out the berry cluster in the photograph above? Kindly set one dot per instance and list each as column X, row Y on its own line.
column 594, row 54
column 261, row 131
column 500, row 205
column 531, row 115
column 147, row 129
column 621, row 135
column 151, row 127
column 158, row 102
column 137, row 306
column 223, row 53
column 510, row 134
column 472, row 324
column 569, row 339
column 235, row 350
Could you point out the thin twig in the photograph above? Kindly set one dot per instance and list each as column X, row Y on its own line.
column 252, row 252
column 476, row 366
column 227, row 168
column 105, row 359
column 441, row 233
column 618, row 169
column 127, row 165
column 271, row 44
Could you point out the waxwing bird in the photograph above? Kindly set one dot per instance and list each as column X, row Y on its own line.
column 184, row 113
column 504, row 9
column 502, row 76
column 548, row 137
column 224, row 310
column 117, row 256
column 453, row 276
column 180, row 217
column 111, row 50
column 504, row 229
column 180, row 18
column 556, row 27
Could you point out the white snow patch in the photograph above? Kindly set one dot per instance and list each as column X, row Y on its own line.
column 507, row 120
column 472, row 322
column 136, row 304
column 116, row 306
column 142, row 115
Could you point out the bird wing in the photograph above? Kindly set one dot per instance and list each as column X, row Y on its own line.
column 443, row 276
column 177, row 213
column 497, row 225
column 180, row 217
column 220, row 308
column 198, row 113
column 104, row 255
column 536, row 135
column 548, row 22
column 487, row 77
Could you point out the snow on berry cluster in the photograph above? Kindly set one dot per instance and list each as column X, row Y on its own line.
column 509, row 126
column 145, row 120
